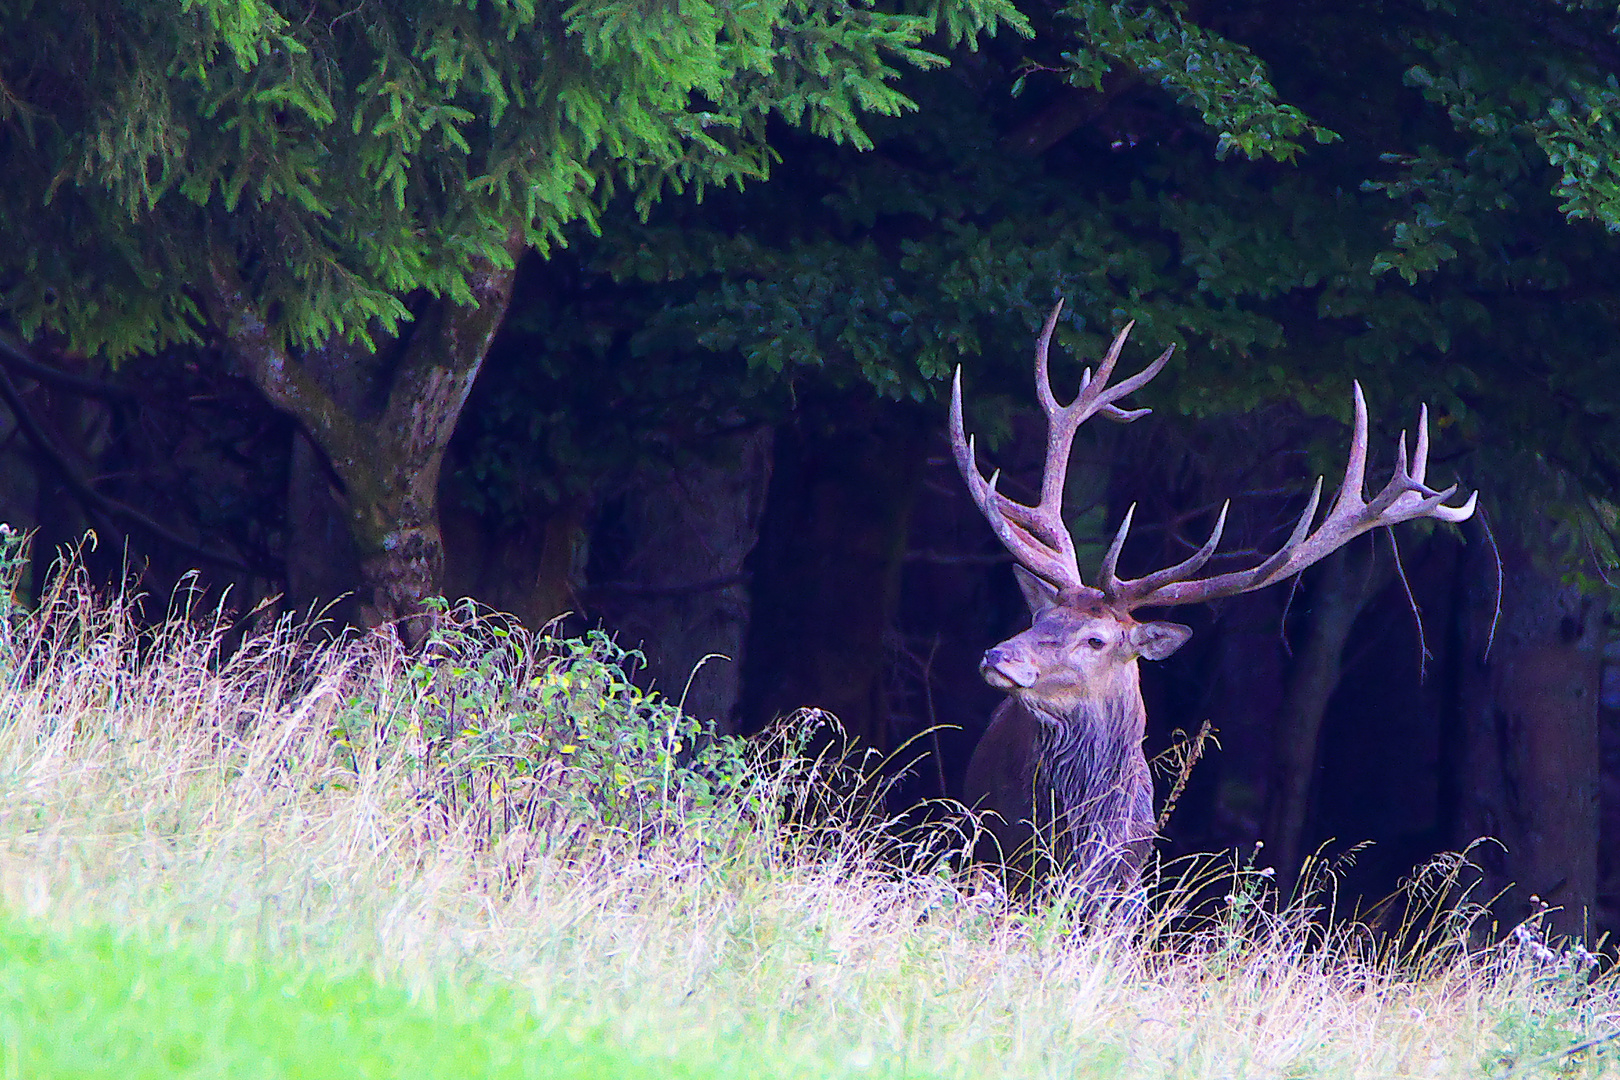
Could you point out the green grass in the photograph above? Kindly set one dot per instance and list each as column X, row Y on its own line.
column 503, row 861
column 87, row 1002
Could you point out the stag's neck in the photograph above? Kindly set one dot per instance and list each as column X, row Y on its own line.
column 1091, row 748
column 1090, row 770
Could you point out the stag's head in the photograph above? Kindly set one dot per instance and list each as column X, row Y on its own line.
column 1084, row 640
column 1077, row 648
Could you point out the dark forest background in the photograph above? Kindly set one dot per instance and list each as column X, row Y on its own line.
column 639, row 315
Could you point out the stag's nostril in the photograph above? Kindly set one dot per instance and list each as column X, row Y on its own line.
column 992, row 657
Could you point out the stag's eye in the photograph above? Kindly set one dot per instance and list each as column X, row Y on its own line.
column 1096, row 642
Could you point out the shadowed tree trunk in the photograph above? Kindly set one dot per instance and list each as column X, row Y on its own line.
column 532, row 568
column 323, row 567
column 1608, row 901
column 1346, row 581
column 827, row 569
column 381, row 421
column 1531, row 729
column 678, row 590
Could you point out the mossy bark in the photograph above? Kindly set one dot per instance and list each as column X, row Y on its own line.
column 381, row 420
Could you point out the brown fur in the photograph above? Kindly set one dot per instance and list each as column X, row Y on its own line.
column 1061, row 766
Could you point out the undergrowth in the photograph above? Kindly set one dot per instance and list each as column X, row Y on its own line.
column 509, row 811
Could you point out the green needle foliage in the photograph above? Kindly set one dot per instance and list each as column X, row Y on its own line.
column 336, row 196
column 347, row 157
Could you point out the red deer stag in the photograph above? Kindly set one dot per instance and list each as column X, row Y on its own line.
column 1062, row 760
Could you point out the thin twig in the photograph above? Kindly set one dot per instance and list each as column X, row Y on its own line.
column 1282, row 621
column 1417, row 614
column 1189, row 751
column 1496, row 613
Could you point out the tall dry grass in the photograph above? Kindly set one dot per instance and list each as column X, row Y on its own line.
column 511, row 809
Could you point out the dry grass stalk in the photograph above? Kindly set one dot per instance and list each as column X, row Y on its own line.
column 307, row 799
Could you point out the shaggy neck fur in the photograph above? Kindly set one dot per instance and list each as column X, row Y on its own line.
column 1093, row 793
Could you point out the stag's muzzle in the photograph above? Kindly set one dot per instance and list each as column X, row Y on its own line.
column 1005, row 670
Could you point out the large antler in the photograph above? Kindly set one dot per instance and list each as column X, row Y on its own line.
column 1404, row 498
column 1036, row 535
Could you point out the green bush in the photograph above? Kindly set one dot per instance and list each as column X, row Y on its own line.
column 509, row 730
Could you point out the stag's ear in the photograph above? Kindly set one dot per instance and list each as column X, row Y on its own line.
column 1040, row 596
column 1157, row 640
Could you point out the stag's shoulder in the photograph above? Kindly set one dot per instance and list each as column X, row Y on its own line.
column 1003, row 763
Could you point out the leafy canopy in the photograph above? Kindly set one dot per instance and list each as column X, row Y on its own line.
column 347, row 155
column 1422, row 197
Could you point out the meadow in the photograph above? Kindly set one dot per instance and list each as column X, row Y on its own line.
column 248, row 854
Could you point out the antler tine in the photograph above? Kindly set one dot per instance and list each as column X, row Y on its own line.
column 1036, row 535
column 1355, row 472
column 1024, row 531
column 1111, row 560
column 1419, row 475
column 1420, row 457
column 1106, row 368
column 1400, row 481
column 1131, row 385
column 1043, row 373
column 1452, row 515
column 1062, row 421
column 1095, row 396
column 1302, row 529
column 1404, row 498
column 1115, row 589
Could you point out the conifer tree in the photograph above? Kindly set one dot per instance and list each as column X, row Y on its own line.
column 335, row 196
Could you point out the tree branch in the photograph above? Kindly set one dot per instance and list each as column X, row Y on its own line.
column 283, row 381
column 445, row 353
column 82, row 488
column 18, row 355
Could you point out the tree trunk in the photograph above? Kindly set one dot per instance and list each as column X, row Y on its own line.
column 381, row 422
column 1608, row 884
column 323, row 567
column 832, row 544
column 533, row 568
column 678, row 590
column 1531, row 730
column 1339, row 591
